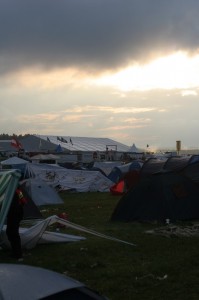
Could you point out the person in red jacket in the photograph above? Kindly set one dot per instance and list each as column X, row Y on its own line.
column 14, row 217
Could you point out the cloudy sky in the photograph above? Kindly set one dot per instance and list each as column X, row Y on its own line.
column 122, row 69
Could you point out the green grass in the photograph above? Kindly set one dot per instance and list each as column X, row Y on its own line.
column 158, row 268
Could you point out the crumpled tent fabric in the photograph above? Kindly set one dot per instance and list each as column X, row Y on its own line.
column 37, row 234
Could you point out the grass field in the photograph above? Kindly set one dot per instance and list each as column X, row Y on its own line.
column 156, row 268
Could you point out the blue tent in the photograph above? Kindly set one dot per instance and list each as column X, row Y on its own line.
column 119, row 172
column 58, row 149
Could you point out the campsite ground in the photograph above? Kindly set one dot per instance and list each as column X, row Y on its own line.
column 158, row 268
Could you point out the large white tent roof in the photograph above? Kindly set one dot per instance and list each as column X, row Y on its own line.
column 85, row 143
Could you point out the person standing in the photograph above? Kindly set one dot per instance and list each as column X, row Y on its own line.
column 14, row 217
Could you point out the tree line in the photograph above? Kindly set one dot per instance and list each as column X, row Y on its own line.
column 5, row 136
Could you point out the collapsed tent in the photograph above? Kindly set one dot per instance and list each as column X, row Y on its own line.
column 27, row 282
column 159, row 197
column 67, row 179
column 38, row 234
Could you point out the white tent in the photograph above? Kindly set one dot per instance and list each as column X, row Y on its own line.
column 78, row 180
column 14, row 161
column 134, row 149
column 40, row 192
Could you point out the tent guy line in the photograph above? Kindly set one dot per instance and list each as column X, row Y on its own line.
column 90, row 231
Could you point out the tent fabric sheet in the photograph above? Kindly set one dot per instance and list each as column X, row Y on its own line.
column 78, row 180
column 37, row 234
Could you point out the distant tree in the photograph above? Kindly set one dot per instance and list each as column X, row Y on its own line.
column 5, row 136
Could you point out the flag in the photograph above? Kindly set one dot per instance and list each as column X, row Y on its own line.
column 15, row 143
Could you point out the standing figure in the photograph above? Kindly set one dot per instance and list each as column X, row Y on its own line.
column 14, row 217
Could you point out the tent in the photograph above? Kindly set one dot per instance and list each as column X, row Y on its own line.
column 134, row 149
column 31, row 210
column 69, row 179
column 106, row 166
column 118, row 188
column 40, row 192
column 192, row 171
column 27, row 282
column 159, row 197
column 173, row 163
column 119, row 172
column 15, row 163
column 126, row 183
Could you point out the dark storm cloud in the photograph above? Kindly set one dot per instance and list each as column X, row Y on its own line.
column 93, row 34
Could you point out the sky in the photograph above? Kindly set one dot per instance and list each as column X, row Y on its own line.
column 122, row 69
